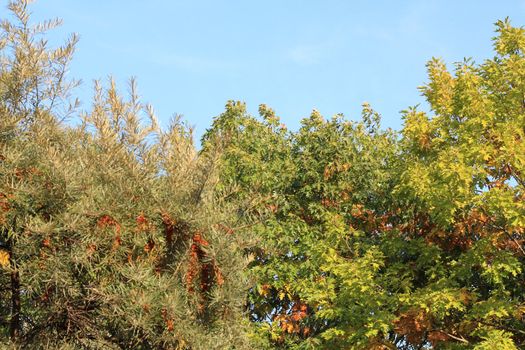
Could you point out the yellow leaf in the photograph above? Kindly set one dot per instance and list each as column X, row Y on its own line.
column 4, row 258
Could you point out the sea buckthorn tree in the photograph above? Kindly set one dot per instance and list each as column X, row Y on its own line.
column 112, row 235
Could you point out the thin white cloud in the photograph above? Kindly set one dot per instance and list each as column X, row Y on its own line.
column 159, row 57
column 305, row 54
column 310, row 54
column 191, row 63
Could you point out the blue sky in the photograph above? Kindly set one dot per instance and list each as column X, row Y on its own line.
column 190, row 57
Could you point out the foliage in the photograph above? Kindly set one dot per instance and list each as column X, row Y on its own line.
column 115, row 233
column 111, row 230
column 383, row 240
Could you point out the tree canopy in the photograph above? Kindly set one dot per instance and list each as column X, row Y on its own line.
column 118, row 234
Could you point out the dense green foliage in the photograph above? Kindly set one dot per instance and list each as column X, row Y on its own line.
column 373, row 239
column 115, row 233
